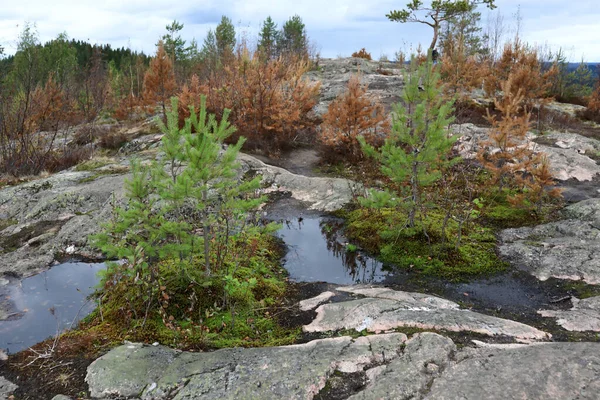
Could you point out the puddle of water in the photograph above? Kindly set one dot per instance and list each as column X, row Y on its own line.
column 317, row 253
column 51, row 301
column 506, row 292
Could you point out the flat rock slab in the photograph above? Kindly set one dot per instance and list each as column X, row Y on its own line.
column 543, row 371
column 567, row 249
column 425, row 357
column 384, row 309
column 287, row 372
column 426, row 366
column 52, row 216
column 584, row 316
column 324, row 194
column 314, row 302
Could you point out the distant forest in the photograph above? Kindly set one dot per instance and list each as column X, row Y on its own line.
column 85, row 52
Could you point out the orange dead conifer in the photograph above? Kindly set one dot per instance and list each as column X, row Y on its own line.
column 159, row 82
column 350, row 115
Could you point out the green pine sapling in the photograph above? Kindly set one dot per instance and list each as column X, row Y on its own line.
column 418, row 146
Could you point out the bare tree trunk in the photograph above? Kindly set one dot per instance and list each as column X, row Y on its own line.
column 206, row 232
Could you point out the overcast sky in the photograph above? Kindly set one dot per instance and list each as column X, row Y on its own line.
column 338, row 27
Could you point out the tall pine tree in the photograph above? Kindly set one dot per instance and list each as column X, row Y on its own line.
column 268, row 35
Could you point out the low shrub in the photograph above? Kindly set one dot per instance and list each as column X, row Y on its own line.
column 362, row 53
column 112, row 140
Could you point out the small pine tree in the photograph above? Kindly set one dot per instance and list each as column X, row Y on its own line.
column 159, row 82
column 419, row 144
column 350, row 115
column 187, row 208
column 460, row 70
column 540, row 184
column 510, row 159
column 269, row 100
column 521, row 62
column 507, row 139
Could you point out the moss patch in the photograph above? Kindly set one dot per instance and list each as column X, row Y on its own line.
column 427, row 247
column 190, row 312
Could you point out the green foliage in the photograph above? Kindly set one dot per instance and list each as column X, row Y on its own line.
column 351, row 247
column 186, row 233
column 292, row 40
column 33, row 63
column 210, row 50
column 383, row 232
column 418, row 146
column 464, row 28
column 268, row 37
column 436, row 13
column 580, row 83
column 173, row 43
column 225, row 37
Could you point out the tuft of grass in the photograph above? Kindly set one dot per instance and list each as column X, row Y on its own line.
column 94, row 164
column 351, row 247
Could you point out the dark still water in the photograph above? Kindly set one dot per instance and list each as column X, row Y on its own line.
column 317, row 252
column 51, row 301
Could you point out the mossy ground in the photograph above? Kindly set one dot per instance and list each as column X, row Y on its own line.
column 190, row 311
column 424, row 247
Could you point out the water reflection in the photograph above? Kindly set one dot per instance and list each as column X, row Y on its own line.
column 318, row 252
column 51, row 301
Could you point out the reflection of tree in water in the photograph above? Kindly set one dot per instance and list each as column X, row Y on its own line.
column 360, row 267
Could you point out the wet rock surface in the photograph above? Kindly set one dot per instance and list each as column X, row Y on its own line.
column 323, row 194
column 53, row 217
column 382, row 309
column 584, row 316
column 566, row 249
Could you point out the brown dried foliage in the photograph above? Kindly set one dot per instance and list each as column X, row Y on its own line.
column 362, row 53
column 507, row 138
column 350, row 115
column 508, row 156
column 460, row 71
column 522, row 64
column 270, row 100
column 29, row 126
column 159, row 80
column 127, row 106
column 190, row 97
column 592, row 111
